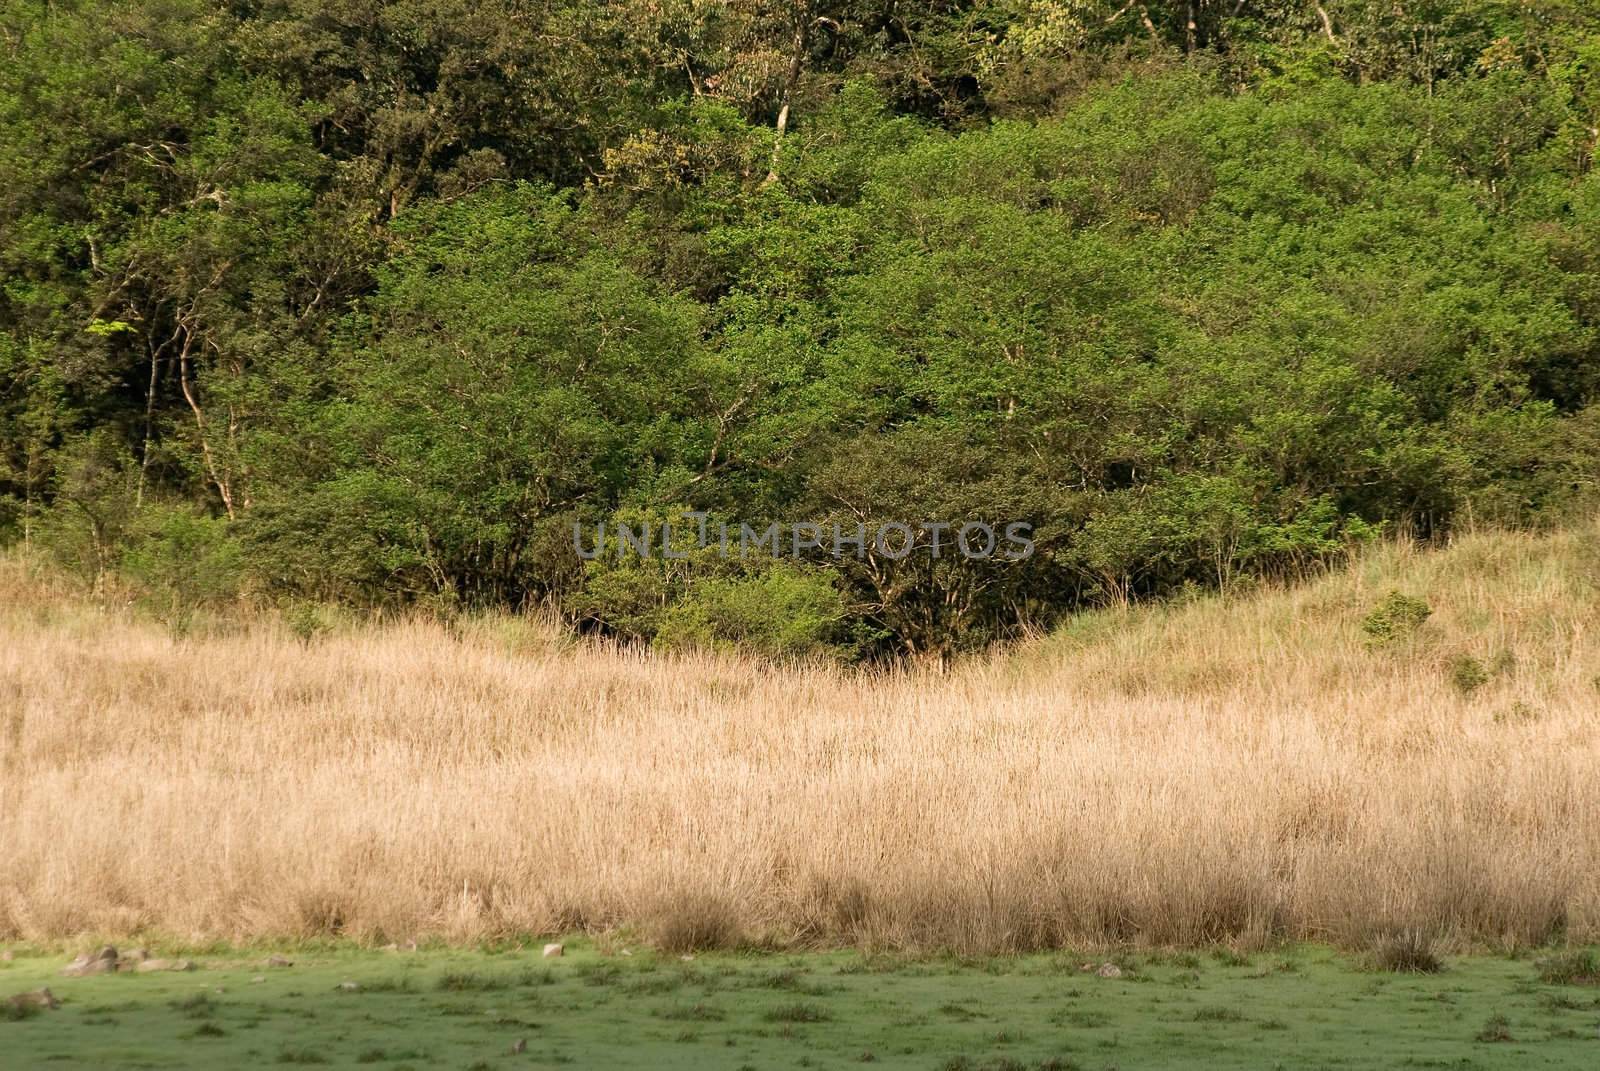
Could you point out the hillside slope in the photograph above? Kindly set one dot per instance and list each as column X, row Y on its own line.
column 1232, row 768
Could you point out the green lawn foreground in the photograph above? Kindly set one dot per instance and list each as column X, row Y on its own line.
column 1298, row 1008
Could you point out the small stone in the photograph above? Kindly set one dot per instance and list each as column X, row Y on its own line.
column 552, row 950
column 349, row 987
column 149, row 965
column 37, row 998
column 519, row 1047
column 100, row 962
column 1109, row 970
column 279, row 961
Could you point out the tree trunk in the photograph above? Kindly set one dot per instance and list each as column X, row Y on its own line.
column 200, row 425
column 797, row 58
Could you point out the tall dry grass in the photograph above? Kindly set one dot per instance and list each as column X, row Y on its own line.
column 1229, row 769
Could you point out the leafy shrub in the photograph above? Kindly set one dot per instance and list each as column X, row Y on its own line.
column 182, row 562
column 1467, row 674
column 95, row 495
column 1496, row 1028
column 306, row 620
column 782, row 612
column 1397, row 617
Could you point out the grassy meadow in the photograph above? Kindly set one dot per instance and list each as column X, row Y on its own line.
column 596, row 1007
column 1243, row 770
column 1310, row 825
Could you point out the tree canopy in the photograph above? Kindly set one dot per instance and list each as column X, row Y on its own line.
column 375, row 301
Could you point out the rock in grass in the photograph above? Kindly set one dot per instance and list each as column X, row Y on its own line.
column 148, row 965
column 349, row 987
column 92, row 963
column 37, row 998
column 552, row 950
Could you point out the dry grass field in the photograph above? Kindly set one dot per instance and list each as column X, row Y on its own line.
column 1232, row 769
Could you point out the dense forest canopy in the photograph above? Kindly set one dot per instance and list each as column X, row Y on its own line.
column 340, row 300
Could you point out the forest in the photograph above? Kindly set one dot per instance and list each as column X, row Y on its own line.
column 342, row 303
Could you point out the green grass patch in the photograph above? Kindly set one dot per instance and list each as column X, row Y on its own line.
column 725, row 1011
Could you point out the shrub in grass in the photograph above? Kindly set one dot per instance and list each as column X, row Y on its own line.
column 467, row 982
column 1577, row 967
column 307, row 621
column 1497, row 1028
column 798, row 1012
column 15, row 1012
column 691, row 923
column 1218, row 1014
column 1397, row 617
column 1407, row 952
column 1467, row 674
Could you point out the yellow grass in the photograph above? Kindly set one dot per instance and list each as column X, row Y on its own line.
column 1224, row 770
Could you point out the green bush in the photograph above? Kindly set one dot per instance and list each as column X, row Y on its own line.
column 182, row 562
column 86, row 526
column 1397, row 617
column 783, row 612
column 1467, row 674
column 307, row 620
